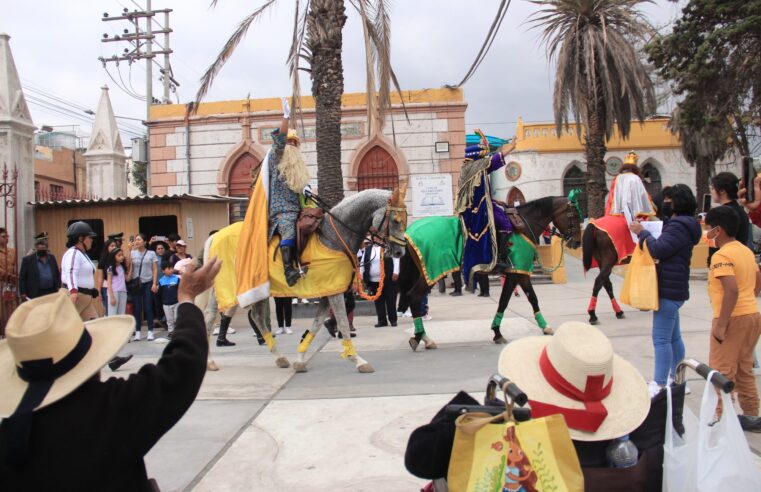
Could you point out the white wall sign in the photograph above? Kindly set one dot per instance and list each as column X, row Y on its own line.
column 189, row 228
column 431, row 194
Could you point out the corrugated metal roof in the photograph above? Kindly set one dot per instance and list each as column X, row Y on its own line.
column 139, row 198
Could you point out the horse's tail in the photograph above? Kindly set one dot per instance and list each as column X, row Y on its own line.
column 588, row 245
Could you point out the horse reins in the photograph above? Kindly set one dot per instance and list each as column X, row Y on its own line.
column 564, row 239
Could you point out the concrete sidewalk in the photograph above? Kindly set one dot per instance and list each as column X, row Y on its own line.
column 257, row 427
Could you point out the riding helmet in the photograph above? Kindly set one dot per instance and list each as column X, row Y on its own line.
column 77, row 229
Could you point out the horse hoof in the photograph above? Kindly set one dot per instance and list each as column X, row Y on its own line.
column 365, row 368
column 548, row 331
column 414, row 344
column 282, row 362
column 500, row 341
column 594, row 322
column 300, row 366
column 431, row 346
column 620, row 315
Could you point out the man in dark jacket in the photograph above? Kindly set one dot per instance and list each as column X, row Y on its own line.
column 39, row 274
column 94, row 436
column 673, row 250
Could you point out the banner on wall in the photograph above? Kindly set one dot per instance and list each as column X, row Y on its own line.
column 431, row 194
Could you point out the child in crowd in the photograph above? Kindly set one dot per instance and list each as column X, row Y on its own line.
column 116, row 283
column 168, row 285
column 734, row 281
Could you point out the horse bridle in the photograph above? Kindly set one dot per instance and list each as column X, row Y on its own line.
column 571, row 213
column 375, row 232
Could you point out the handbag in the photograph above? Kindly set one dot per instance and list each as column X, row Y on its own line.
column 496, row 453
column 134, row 284
column 640, row 289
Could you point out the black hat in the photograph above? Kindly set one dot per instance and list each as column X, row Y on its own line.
column 430, row 446
column 117, row 236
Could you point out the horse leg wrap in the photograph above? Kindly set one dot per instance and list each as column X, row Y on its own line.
column 616, row 307
column 269, row 340
column 592, row 305
column 306, row 340
column 497, row 321
column 419, row 330
column 540, row 320
column 349, row 350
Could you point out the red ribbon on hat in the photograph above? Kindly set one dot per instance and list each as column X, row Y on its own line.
column 594, row 412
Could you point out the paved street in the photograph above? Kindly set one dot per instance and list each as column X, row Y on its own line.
column 257, row 427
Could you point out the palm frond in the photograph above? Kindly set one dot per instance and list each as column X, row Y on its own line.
column 370, row 61
column 598, row 68
column 227, row 51
column 296, row 54
column 490, row 36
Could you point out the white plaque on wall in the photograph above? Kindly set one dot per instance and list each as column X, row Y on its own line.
column 431, row 194
column 189, row 232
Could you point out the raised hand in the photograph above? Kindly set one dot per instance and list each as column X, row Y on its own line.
column 194, row 282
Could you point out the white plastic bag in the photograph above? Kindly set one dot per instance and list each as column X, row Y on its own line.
column 679, row 453
column 723, row 460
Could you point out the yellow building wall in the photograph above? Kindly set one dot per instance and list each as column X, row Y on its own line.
column 356, row 99
column 542, row 137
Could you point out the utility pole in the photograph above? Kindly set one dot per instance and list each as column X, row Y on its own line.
column 141, row 48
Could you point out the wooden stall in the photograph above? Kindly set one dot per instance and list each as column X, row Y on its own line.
column 191, row 216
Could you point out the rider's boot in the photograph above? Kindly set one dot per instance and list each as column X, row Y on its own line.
column 292, row 274
column 222, row 340
column 503, row 243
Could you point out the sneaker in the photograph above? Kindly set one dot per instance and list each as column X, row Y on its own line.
column 137, row 337
column 224, row 342
column 288, row 330
column 455, row 293
column 216, row 330
column 749, row 423
column 427, row 317
column 305, row 301
column 150, row 336
column 295, row 301
column 280, row 331
column 118, row 361
column 653, row 388
column 231, row 331
column 407, row 314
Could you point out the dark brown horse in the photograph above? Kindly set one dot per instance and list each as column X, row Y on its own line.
column 598, row 245
column 537, row 216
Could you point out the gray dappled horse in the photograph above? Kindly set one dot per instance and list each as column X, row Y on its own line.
column 379, row 211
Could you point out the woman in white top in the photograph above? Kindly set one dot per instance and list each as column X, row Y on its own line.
column 78, row 271
column 144, row 267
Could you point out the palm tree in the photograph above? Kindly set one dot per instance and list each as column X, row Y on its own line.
column 600, row 76
column 317, row 40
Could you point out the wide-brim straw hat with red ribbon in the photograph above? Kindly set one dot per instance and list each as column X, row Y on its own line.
column 576, row 373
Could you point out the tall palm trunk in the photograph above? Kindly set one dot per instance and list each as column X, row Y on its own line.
column 595, row 149
column 704, row 168
column 324, row 40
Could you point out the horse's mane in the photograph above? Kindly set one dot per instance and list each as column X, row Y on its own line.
column 543, row 205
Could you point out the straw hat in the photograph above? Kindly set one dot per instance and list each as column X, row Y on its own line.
column 49, row 352
column 575, row 373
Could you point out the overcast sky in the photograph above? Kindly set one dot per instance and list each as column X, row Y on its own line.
column 56, row 45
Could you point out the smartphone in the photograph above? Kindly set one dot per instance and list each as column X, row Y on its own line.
column 132, row 239
column 749, row 172
column 706, row 203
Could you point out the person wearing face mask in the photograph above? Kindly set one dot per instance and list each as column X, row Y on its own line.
column 734, row 281
column 78, row 271
column 673, row 250
column 725, row 191
column 39, row 273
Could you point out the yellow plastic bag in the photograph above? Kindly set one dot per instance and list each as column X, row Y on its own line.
column 489, row 456
column 640, row 288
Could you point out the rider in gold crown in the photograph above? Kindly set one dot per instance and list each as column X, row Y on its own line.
column 628, row 193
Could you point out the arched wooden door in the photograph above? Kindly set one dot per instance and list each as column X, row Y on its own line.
column 515, row 195
column 652, row 179
column 575, row 178
column 241, row 175
column 239, row 184
column 377, row 170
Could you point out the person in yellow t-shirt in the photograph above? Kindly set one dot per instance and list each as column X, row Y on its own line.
column 734, row 281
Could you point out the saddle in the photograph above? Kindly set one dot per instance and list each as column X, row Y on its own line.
column 308, row 222
column 515, row 218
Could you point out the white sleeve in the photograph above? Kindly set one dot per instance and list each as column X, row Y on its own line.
column 72, row 270
column 396, row 266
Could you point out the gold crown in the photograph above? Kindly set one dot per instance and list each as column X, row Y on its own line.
column 631, row 158
column 293, row 135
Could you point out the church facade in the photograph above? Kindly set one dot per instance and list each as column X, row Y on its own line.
column 229, row 139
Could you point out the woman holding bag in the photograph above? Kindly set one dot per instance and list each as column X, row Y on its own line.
column 144, row 269
column 673, row 250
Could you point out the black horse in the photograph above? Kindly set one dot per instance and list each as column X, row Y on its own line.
column 536, row 215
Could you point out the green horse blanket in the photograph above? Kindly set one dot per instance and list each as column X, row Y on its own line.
column 438, row 243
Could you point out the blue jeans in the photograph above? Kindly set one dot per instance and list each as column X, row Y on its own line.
column 143, row 300
column 667, row 339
